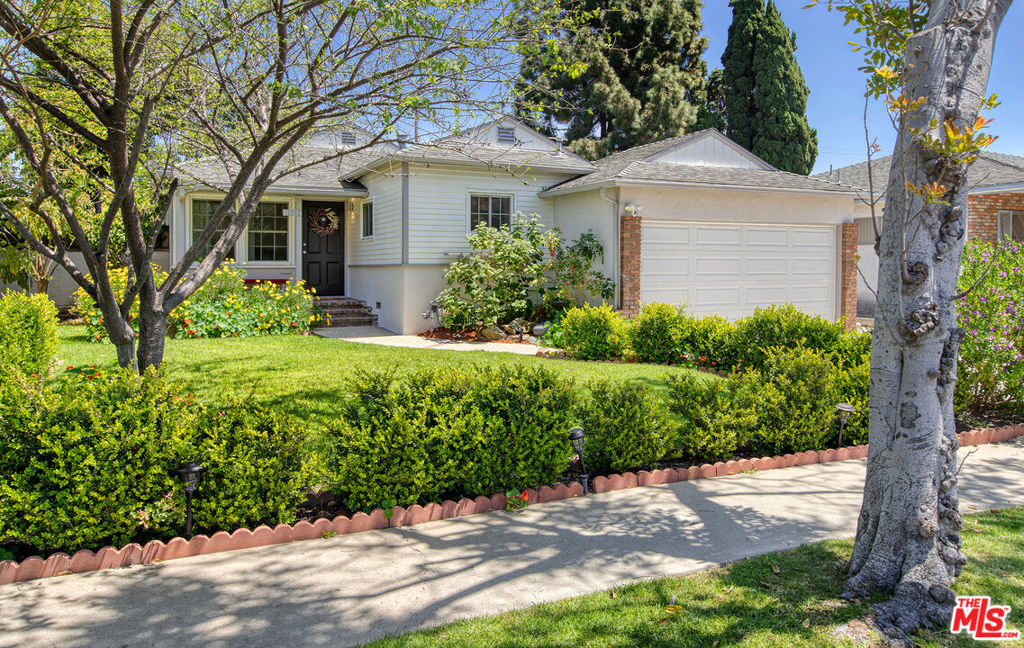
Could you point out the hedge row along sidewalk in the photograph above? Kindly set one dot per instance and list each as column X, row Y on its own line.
column 60, row 564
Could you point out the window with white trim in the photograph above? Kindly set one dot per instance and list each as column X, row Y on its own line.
column 268, row 233
column 367, row 220
column 493, row 211
column 202, row 212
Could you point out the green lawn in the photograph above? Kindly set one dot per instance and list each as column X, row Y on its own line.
column 306, row 375
column 784, row 600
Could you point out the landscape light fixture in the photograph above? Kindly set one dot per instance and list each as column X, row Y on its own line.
column 845, row 409
column 576, row 438
column 191, row 473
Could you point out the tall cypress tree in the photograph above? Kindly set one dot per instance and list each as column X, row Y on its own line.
column 738, row 69
column 765, row 91
column 644, row 69
column 782, row 135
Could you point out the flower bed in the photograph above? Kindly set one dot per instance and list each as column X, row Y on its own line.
column 157, row 551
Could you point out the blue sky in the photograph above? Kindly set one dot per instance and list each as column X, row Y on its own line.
column 836, row 104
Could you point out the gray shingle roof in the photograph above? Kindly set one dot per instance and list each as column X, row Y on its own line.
column 512, row 158
column 630, row 166
column 989, row 170
column 322, row 176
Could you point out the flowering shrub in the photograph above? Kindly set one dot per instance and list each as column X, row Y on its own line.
column 224, row 306
column 520, row 270
column 991, row 369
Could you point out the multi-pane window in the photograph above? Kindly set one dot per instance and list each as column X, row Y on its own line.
column 268, row 233
column 367, row 220
column 1011, row 225
column 494, row 211
column 202, row 212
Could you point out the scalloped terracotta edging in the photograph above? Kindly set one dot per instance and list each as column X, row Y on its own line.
column 60, row 564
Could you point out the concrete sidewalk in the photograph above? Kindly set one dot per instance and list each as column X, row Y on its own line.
column 383, row 337
column 347, row 590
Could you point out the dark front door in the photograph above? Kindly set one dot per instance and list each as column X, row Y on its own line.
column 323, row 254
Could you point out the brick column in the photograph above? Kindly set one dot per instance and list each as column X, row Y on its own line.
column 630, row 261
column 849, row 275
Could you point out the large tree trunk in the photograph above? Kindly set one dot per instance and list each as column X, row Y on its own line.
column 908, row 535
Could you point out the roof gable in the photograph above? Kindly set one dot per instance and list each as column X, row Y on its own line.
column 510, row 132
column 710, row 148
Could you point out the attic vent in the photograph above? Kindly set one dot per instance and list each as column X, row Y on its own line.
column 348, row 139
column 506, row 135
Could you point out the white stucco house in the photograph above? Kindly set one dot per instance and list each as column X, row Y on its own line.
column 693, row 219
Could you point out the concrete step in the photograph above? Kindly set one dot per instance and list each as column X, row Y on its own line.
column 354, row 320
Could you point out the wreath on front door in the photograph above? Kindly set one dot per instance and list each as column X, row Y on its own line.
column 324, row 221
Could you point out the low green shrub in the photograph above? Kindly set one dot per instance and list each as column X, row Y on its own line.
column 28, row 333
column 782, row 326
column 654, row 332
column 92, row 458
column 705, row 337
column 715, row 417
column 255, row 472
column 594, row 332
column 796, row 396
column 789, row 406
column 991, row 368
column 449, row 433
column 626, row 426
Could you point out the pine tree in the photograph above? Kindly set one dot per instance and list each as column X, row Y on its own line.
column 782, row 135
column 644, row 70
column 711, row 106
column 765, row 91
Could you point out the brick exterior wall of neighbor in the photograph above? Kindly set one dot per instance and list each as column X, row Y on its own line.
column 849, row 274
column 983, row 213
column 630, row 279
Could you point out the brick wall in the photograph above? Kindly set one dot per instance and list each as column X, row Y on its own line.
column 630, row 278
column 849, row 274
column 983, row 213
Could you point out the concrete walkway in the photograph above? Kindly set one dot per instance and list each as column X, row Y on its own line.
column 383, row 337
column 347, row 590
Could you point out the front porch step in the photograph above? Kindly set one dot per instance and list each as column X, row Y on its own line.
column 346, row 311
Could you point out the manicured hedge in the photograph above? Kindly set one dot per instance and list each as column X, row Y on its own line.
column 91, row 460
column 449, row 433
column 789, row 406
column 28, row 333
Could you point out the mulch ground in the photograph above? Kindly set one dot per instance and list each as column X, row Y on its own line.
column 470, row 335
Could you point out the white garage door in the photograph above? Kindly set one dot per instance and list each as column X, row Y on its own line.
column 732, row 269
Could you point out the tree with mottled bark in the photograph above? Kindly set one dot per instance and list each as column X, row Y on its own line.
column 931, row 63
column 151, row 86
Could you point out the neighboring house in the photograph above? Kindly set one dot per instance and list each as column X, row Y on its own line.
column 694, row 219
column 995, row 209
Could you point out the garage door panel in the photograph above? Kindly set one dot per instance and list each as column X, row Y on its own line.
column 718, row 236
column 717, row 266
column 765, row 266
column 665, row 266
column 771, row 237
column 731, row 270
column 813, row 237
column 717, row 296
column 811, row 265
